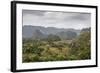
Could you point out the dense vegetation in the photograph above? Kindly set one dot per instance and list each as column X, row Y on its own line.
column 53, row 48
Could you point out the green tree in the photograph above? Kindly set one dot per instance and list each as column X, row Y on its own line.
column 52, row 38
column 80, row 48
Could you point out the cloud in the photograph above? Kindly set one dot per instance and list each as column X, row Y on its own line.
column 56, row 19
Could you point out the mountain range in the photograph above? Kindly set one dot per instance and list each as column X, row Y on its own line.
column 35, row 32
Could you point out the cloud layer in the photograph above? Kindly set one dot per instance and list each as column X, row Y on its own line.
column 56, row 19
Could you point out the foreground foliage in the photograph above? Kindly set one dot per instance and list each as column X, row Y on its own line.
column 56, row 49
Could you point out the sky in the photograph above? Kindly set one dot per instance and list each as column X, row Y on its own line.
column 56, row 19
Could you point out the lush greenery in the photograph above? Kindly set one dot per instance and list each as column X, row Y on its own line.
column 53, row 48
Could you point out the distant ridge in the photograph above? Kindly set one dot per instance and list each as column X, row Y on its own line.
column 29, row 31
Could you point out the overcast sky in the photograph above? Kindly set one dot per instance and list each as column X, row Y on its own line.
column 56, row 19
